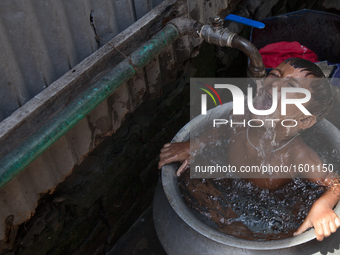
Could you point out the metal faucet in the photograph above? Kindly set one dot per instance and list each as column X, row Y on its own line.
column 218, row 35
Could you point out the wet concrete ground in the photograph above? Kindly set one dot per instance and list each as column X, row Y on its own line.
column 140, row 239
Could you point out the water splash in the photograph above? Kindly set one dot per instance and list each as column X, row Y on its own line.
column 240, row 208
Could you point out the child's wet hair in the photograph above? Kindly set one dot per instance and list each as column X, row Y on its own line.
column 305, row 65
column 322, row 96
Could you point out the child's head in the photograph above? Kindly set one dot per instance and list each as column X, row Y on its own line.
column 298, row 73
column 321, row 93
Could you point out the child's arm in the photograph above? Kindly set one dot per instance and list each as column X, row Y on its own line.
column 173, row 152
column 321, row 216
column 180, row 152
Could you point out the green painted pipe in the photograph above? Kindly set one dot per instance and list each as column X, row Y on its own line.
column 14, row 162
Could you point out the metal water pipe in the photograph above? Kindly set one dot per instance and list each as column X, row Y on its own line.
column 20, row 157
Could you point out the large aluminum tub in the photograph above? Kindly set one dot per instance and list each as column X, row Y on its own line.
column 180, row 232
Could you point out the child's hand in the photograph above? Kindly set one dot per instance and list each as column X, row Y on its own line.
column 322, row 218
column 173, row 152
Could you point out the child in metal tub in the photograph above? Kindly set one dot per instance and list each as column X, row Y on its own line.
column 245, row 144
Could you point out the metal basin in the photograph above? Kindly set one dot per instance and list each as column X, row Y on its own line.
column 180, row 232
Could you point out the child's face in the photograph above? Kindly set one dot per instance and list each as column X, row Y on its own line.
column 284, row 75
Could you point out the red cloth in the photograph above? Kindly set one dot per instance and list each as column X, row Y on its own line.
column 273, row 54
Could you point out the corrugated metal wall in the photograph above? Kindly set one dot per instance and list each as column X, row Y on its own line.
column 18, row 199
column 43, row 39
column 40, row 40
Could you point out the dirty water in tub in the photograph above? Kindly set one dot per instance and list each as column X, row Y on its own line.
column 241, row 209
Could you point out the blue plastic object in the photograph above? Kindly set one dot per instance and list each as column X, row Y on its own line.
column 245, row 21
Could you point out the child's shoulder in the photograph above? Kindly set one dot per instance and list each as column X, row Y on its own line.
column 303, row 154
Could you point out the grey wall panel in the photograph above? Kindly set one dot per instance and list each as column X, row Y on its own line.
column 124, row 13
column 10, row 77
column 111, row 17
column 104, row 21
column 77, row 14
column 142, row 7
column 20, row 49
column 156, row 2
column 42, row 39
